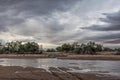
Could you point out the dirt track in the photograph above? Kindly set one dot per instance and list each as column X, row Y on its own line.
column 29, row 73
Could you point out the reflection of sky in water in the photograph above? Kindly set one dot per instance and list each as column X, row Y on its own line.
column 85, row 65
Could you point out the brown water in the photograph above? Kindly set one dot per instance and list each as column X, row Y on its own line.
column 91, row 66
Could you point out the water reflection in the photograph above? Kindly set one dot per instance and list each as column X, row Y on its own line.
column 112, row 67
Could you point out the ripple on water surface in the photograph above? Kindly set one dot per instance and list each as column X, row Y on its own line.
column 82, row 66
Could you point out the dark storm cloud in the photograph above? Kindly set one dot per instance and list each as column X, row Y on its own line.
column 116, row 41
column 110, row 30
column 6, row 21
column 57, row 21
column 36, row 7
column 105, row 36
column 43, row 7
column 16, row 16
column 107, row 27
column 112, row 20
column 14, row 12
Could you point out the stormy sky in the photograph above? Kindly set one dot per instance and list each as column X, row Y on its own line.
column 53, row 22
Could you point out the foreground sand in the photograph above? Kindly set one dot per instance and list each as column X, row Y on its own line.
column 29, row 73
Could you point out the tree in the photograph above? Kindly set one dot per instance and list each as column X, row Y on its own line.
column 118, row 51
column 19, row 47
column 74, row 47
column 59, row 49
column 89, row 48
column 78, row 50
column 50, row 50
column 107, row 49
column 99, row 47
column 30, row 47
column 1, row 48
column 13, row 47
column 66, row 47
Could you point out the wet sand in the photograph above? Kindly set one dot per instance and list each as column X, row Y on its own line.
column 59, row 73
column 29, row 73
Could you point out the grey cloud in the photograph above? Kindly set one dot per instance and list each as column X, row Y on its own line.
column 110, row 36
column 14, row 12
column 110, row 30
column 15, row 16
column 6, row 21
column 106, row 36
column 115, row 41
column 37, row 7
column 106, row 27
column 112, row 20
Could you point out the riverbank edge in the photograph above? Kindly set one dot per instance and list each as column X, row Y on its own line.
column 92, row 57
column 70, row 57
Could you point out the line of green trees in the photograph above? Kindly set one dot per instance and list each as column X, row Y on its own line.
column 33, row 47
column 19, row 47
column 88, row 48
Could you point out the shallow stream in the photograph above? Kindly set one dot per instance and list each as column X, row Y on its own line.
column 81, row 66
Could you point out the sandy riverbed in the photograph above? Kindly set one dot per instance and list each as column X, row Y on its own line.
column 59, row 73
column 29, row 73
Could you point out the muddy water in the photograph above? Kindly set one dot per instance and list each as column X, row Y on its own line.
column 81, row 66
